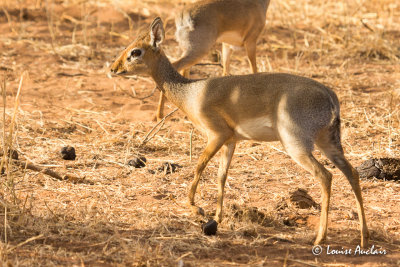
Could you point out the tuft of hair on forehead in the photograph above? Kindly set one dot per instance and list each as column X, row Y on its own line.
column 143, row 36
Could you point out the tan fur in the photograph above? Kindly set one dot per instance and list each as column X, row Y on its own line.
column 297, row 111
column 235, row 23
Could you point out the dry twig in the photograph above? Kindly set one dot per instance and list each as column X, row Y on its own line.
column 30, row 166
column 147, row 138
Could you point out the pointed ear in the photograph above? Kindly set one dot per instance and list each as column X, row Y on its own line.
column 156, row 32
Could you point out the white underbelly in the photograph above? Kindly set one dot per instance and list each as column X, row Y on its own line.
column 259, row 129
column 231, row 37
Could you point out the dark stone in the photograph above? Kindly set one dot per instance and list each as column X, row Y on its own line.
column 168, row 167
column 383, row 168
column 367, row 169
column 68, row 153
column 210, row 228
column 13, row 154
column 302, row 199
column 138, row 162
column 250, row 214
column 289, row 222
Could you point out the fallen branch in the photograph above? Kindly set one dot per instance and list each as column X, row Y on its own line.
column 209, row 64
column 49, row 172
column 30, row 166
column 41, row 236
column 69, row 74
column 147, row 138
column 134, row 96
column 366, row 25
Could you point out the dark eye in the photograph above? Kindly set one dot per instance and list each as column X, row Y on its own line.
column 136, row 53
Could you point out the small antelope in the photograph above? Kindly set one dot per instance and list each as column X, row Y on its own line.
column 297, row 111
column 201, row 24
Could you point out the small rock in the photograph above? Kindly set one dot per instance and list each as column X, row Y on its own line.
column 168, row 167
column 302, row 199
column 68, row 153
column 138, row 162
column 215, row 57
column 249, row 232
column 367, row 169
column 96, row 157
column 289, row 221
column 352, row 215
column 383, row 168
column 74, row 51
column 210, row 228
column 251, row 214
column 281, row 205
column 13, row 154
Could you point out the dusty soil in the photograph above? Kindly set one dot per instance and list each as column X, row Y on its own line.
column 121, row 215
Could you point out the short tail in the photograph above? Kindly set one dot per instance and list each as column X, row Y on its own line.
column 265, row 4
column 334, row 128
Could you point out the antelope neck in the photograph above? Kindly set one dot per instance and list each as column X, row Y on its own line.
column 169, row 81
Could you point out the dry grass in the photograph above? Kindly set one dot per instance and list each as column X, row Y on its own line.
column 138, row 217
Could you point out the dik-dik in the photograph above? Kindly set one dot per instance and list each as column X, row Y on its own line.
column 234, row 23
column 297, row 111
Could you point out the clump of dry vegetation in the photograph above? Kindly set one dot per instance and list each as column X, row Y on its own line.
column 102, row 211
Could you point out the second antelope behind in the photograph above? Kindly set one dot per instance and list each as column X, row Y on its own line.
column 297, row 111
column 235, row 23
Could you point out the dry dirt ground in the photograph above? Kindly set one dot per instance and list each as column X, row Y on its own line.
column 119, row 215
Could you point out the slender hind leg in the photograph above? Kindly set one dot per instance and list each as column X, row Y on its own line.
column 309, row 163
column 195, row 45
column 334, row 152
column 300, row 151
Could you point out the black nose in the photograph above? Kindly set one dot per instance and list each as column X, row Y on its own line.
column 115, row 71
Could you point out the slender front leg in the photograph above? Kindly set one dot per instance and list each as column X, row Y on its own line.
column 251, row 54
column 214, row 144
column 226, row 58
column 226, row 157
column 160, row 108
